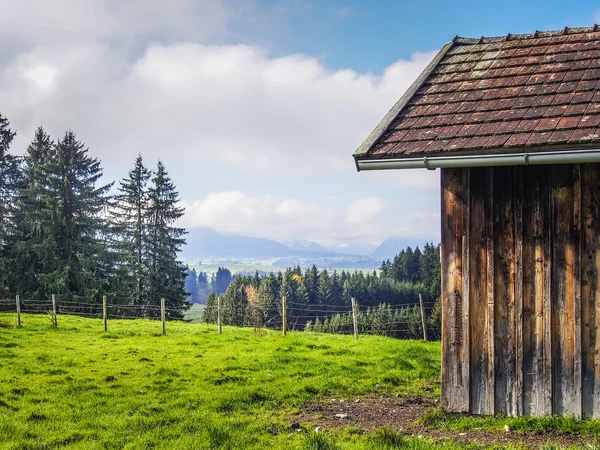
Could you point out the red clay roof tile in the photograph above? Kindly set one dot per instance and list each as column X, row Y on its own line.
column 559, row 137
column 547, row 124
column 497, row 141
column 493, row 94
column 582, row 97
column 518, row 140
column 538, row 138
column 576, row 109
column 527, row 125
column 589, row 121
column 584, row 135
column 554, row 111
column 507, row 127
column 563, row 99
column 568, row 122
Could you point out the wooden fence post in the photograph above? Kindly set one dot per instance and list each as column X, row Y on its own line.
column 423, row 321
column 104, row 312
column 284, row 315
column 54, row 321
column 354, row 317
column 18, row 311
column 219, row 315
column 162, row 315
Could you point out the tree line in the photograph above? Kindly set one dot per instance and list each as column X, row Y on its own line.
column 64, row 231
column 321, row 301
column 198, row 285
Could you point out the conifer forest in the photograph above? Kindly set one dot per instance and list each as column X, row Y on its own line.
column 65, row 231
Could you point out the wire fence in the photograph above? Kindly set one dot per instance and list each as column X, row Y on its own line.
column 406, row 321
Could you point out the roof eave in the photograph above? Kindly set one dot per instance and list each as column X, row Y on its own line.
column 524, row 158
column 389, row 118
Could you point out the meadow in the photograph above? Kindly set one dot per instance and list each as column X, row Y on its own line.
column 77, row 387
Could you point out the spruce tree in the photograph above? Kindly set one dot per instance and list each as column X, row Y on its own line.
column 76, row 205
column 222, row 280
column 209, row 315
column 130, row 216
column 324, row 289
column 191, row 285
column 33, row 252
column 166, row 275
column 9, row 180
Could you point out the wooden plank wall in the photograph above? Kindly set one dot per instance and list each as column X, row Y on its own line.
column 521, row 290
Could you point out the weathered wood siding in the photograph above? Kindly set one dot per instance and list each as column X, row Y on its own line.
column 521, row 290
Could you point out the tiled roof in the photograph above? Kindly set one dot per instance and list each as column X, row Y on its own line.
column 537, row 92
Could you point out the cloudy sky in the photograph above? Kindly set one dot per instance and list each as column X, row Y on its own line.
column 254, row 106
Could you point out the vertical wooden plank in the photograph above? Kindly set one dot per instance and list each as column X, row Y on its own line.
column 466, row 300
column 563, row 293
column 454, row 396
column 547, row 408
column 534, row 211
column 590, row 286
column 504, row 290
column 518, row 267
column 577, row 353
column 489, row 216
column 479, row 385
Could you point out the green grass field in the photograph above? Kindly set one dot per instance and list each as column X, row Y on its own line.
column 194, row 314
column 77, row 387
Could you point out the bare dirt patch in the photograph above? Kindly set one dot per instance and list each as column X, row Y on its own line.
column 370, row 412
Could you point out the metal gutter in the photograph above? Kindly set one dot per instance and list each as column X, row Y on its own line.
column 507, row 159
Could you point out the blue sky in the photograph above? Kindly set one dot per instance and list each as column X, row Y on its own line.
column 254, row 106
column 370, row 35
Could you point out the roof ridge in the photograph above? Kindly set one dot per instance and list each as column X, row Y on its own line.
column 512, row 37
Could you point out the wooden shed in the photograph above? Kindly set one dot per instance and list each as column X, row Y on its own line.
column 513, row 123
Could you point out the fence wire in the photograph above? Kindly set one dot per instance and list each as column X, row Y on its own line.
column 403, row 321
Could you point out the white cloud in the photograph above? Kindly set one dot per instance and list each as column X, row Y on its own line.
column 233, row 103
column 365, row 220
column 133, row 77
column 31, row 22
column 43, row 76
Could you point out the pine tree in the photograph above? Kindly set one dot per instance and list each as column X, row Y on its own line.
column 222, row 280
column 76, row 206
column 130, row 217
column 9, row 180
column 209, row 315
column 311, row 283
column 166, row 275
column 191, row 285
column 324, row 289
column 235, row 304
column 33, row 251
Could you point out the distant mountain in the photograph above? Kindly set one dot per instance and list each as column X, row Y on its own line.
column 391, row 247
column 363, row 250
column 206, row 242
column 308, row 246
